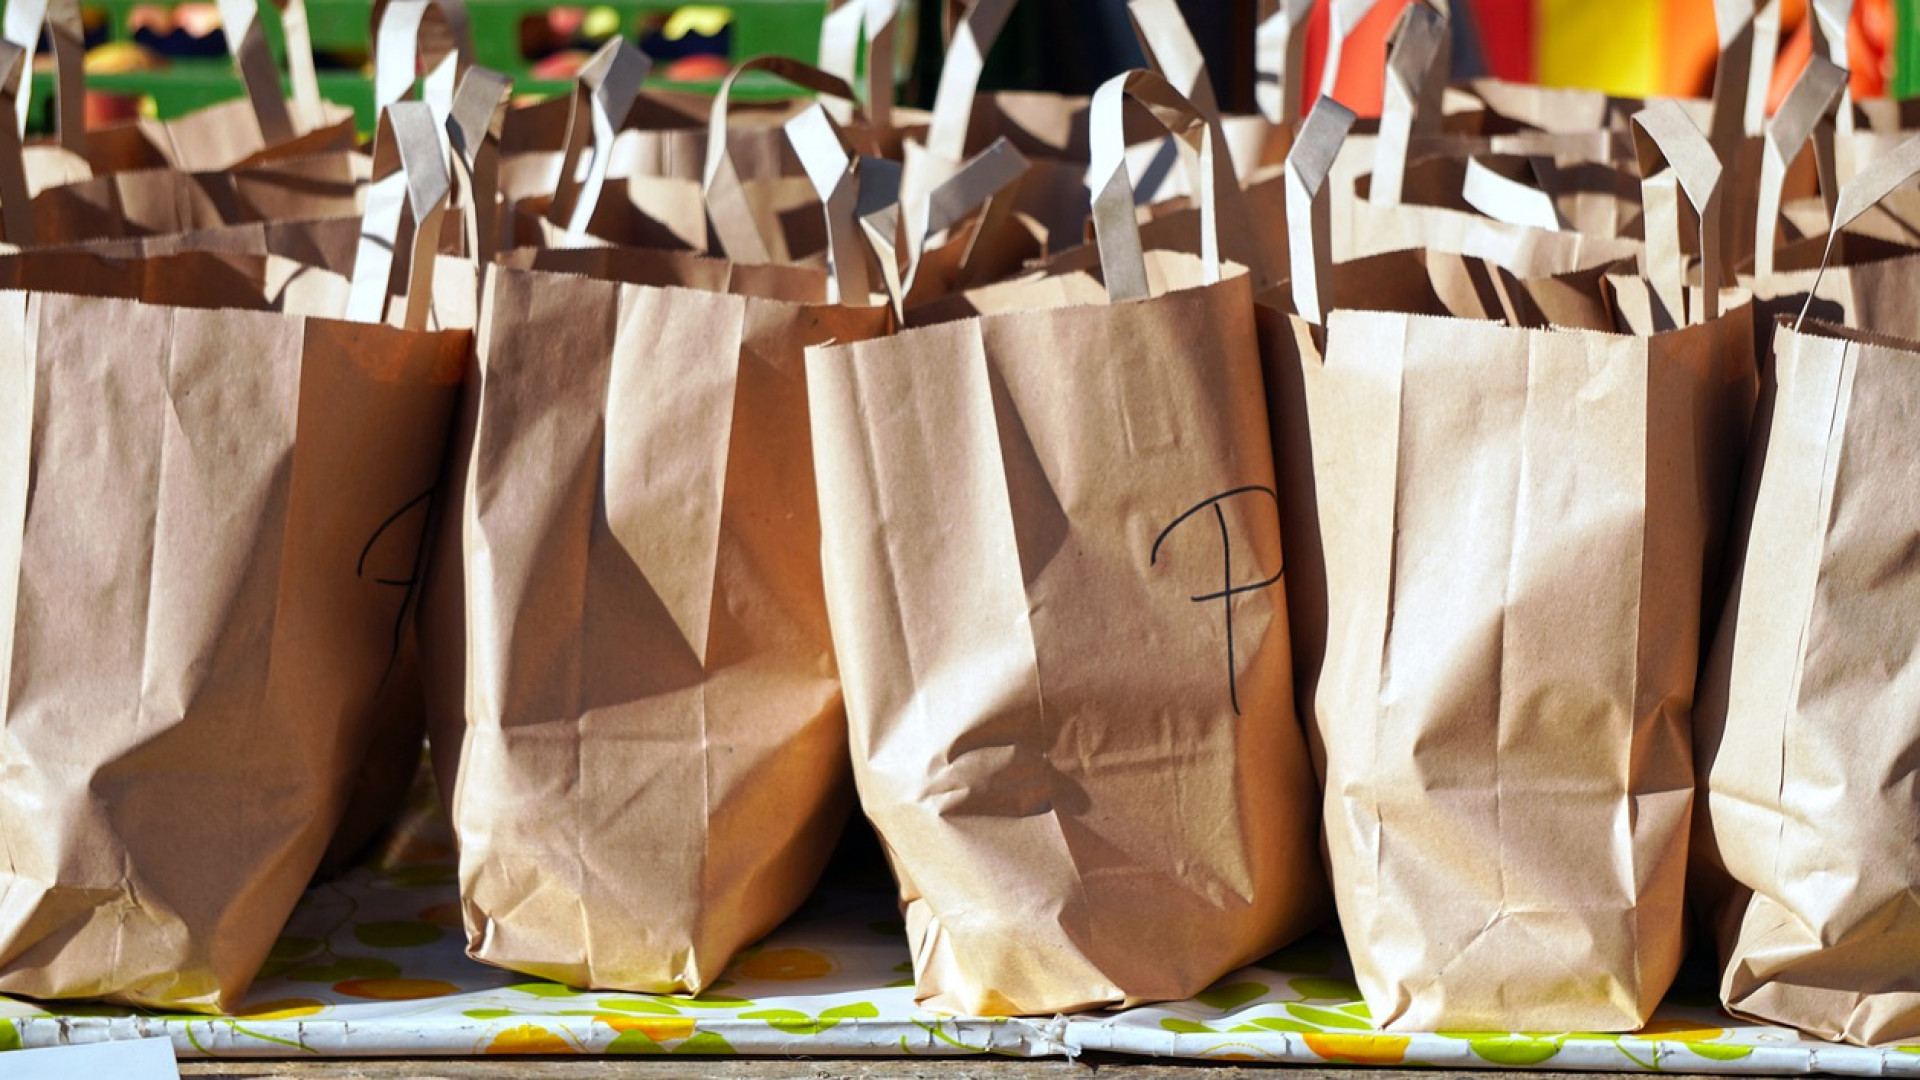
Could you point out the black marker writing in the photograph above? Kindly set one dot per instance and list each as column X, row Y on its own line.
column 1229, row 590
column 424, row 503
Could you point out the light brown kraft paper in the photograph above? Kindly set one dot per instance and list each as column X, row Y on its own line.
column 1517, row 526
column 654, row 767
column 1053, row 569
column 1808, row 703
column 205, row 567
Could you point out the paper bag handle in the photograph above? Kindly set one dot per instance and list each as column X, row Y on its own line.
column 61, row 19
column 247, row 43
column 1804, row 116
column 1419, row 58
column 1874, row 182
column 1310, row 207
column 1676, row 160
column 603, row 94
column 473, row 133
column 1739, row 79
column 832, row 168
column 970, row 37
column 736, row 220
column 1168, row 44
column 16, row 209
column 407, row 30
column 1828, row 20
column 410, row 186
column 980, row 185
column 1116, row 230
column 1342, row 17
column 840, row 35
column 1280, row 59
column 1504, row 199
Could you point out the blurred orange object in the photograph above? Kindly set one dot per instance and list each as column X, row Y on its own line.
column 1362, row 80
column 560, row 66
column 1869, row 36
column 699, row 68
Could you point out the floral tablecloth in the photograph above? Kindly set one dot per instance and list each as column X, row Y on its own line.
column 372, row 965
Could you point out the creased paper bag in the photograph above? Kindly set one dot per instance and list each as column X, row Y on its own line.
column 208, row 539
column 1053, row 569
column 1809, row 717
column 1518, row 528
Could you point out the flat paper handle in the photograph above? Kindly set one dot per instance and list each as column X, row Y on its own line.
column 473, row 132
column 736, row 220
column 253, row 58
column 1806, row 115
column 1342, row 18
column 830, row 165
column 1418, row 61
column 1504, row 199
column 603, row 95
column 1676, row 160
column 1310, row 207
column 61, row 19
column 410, row 187
column 408, row 30
column 1735, row 74
column 840, row 34
column 1280, row 60
column 16, row 210
column 1879, row 179
column 1170, row 49
column 1829, row 20
column 970, row 37
column 1116, row 229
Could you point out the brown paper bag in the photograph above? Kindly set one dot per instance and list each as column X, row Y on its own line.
column 1857, row 271
column 205, row 580
column 217, row 137
column 1805, row 849
column 1516, row 528
column 652, row 771
column 1051, row 558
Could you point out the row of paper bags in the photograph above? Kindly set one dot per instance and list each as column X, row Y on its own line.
column 1432, row 438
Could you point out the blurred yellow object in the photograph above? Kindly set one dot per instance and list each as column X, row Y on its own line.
column 601, row 23
column 121, row 58
column 1609, row 46
column 705, row 21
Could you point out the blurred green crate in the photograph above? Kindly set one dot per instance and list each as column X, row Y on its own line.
column 785, row 27
column 1906, row 49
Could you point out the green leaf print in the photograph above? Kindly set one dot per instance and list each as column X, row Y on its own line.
column 1186, row 1027
column 1317, row 989
column 1275, row 1023
column 1231, row 996
column 790, row 1021
column 634, row 1042
column 1719, row 1051
column 859, row 1010
column 1513, row 1049
column 545, row 989
column 703, row 1042
column 9, row 1035
column 1335, row 1019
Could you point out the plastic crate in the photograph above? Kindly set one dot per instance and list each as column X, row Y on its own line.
column 785, row 27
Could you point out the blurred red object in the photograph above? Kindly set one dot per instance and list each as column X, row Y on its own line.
column 1869, row 47
column 1363, row 61
column 560, row 66
column 699, row 69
